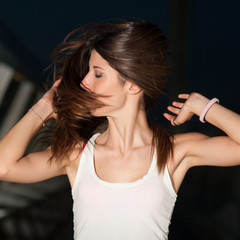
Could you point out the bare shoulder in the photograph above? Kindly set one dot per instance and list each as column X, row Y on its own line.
column 67, row 160
column 183, row 142
column 188, row 137
column 181, row 145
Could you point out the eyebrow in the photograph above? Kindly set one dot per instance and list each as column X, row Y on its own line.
column 97, row 67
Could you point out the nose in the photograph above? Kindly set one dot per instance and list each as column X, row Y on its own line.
column 85, row 84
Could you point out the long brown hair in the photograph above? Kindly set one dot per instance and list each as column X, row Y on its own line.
column 137, row 50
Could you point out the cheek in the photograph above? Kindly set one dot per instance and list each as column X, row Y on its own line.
column 108, row 87
column 117, row 98
column 113, row 103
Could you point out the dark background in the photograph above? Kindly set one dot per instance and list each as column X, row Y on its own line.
column 205, row 47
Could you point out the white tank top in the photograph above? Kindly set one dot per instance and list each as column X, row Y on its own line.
column 139, row 210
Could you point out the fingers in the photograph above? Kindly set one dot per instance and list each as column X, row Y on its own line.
column 170, row 118
column 178, row 111
column 174, row 110
column 57, row 82
column 177, row 104
column 176, row 107
column 183, row 96
column 48, row 96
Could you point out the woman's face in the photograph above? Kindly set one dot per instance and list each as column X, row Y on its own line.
column 103, row 79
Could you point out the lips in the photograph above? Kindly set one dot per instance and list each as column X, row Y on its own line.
column 84, row 87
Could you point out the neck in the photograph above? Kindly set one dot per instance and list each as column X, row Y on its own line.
column 127, row 131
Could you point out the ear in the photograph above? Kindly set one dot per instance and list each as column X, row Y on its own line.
column 134, row 89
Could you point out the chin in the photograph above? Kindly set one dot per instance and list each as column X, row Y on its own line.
column 106, row 111
column 97, row 113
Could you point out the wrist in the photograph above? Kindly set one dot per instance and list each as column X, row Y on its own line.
column 207, row 108
column 43, row 109
column 197, row 103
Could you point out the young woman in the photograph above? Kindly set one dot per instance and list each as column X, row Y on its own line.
column 125, row 172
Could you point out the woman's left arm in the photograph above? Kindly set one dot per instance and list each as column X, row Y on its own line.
column 202, row 150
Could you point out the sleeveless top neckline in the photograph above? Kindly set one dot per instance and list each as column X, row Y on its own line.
column 123, row 184
column 153, row 170
column 137, row 210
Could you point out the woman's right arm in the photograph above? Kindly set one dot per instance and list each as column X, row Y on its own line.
column 35, row 166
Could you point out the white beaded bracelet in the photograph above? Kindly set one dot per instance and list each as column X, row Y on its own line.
column 206, row 109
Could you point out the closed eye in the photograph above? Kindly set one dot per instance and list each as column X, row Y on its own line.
column 98, row 75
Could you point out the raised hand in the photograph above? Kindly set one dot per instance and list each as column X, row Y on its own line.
column 180, row 112
column 48, row 97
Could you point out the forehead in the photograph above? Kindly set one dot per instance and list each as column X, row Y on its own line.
column 96, row 59
column 98, row 62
